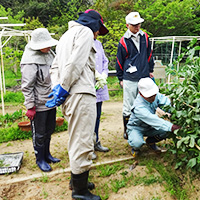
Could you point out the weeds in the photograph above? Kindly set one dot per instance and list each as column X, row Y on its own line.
column 118, row 177
column 44, row 178
column 109, row 169
column 14, row 133
column 13, row 97
column 172, row 182
column 45, row 194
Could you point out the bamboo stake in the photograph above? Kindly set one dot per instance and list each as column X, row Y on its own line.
column 60, row 171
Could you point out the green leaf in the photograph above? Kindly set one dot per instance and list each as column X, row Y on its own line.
column 179, row 143
column 188, row 121
column 192, row 162
column 196, row 118
column 178, row 164
column 197, row 48
column 186, row 139
column 192, row 142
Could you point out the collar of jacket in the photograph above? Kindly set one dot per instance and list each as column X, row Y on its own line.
column 128, row 33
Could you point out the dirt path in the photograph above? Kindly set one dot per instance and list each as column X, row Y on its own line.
column 31, row 184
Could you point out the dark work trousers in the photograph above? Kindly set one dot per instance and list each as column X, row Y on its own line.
column 43, row 125
column 99, row 106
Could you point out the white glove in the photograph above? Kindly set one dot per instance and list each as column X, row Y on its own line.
column 101, row 80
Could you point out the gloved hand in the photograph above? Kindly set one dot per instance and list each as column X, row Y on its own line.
column 175, row 127
column 101, row 80
column 31, row 113
column 59, row 96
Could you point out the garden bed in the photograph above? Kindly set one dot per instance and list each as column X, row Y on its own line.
column 153, row 174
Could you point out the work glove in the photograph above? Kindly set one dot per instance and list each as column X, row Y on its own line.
column 100, row 80
column 31, row 113
column 59, row 95
column 175, row 127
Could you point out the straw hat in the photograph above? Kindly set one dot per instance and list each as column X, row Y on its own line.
column 41, row 38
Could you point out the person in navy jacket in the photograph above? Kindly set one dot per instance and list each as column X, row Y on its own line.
column 134, row 61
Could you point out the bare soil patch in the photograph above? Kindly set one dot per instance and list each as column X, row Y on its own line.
column 32, row 184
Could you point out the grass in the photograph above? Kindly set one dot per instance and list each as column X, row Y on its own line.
column 117, row 176
column 115, row 91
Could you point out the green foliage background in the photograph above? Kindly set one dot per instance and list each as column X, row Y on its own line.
column 184, row 92
column 162, row 18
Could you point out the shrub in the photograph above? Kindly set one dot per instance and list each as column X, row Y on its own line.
column 185, row 108
column 17, row 97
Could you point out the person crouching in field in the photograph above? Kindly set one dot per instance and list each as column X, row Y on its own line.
column 144, row 121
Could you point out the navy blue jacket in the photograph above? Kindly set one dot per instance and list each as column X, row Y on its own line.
column 128, row 55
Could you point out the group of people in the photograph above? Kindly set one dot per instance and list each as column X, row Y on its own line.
column 75, row 77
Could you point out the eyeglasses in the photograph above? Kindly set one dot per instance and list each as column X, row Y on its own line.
column 135, row 24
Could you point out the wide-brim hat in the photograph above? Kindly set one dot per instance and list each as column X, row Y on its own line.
column 134, row 18
column 96, row 15
column 147, row 87
column 41, row 38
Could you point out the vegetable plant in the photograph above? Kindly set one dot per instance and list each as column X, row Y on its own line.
column 184, row 92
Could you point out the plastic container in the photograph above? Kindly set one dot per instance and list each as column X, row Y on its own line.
column 59, row 121
column 25, row 126
column 10, row 162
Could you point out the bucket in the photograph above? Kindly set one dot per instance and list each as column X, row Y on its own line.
column 25, row 126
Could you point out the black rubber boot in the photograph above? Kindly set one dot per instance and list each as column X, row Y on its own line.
column 48, row 157
column 40, row 160
column 125, row 120
column 91, row 185
column 150, row 141
column 80, row 187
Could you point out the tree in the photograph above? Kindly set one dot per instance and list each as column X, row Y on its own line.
column 47, row 11
column 169, row 17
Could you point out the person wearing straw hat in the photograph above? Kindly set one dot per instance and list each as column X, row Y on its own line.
column 73, row 77
column 144, row 120
column 36, row 87
column 134, row 61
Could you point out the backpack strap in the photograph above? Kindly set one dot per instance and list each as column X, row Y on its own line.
column 146, row 36
column 123, row 43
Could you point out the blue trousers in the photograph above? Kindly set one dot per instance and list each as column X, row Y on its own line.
column 136, row 134
column 96, row 130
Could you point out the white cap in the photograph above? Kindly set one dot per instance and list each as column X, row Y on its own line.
column 134, row 18
column 41, row 38
column 147, row 87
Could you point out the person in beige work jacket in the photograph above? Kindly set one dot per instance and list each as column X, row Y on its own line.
column 36, row 86
column 73, row 78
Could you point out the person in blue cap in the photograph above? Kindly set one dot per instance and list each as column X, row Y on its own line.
column 73, row 78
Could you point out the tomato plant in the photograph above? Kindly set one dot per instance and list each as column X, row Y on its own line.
column 184, row 92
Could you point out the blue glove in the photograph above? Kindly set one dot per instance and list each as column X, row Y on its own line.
column 59, row 95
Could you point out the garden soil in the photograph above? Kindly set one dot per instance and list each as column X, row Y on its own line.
column 31, row 184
